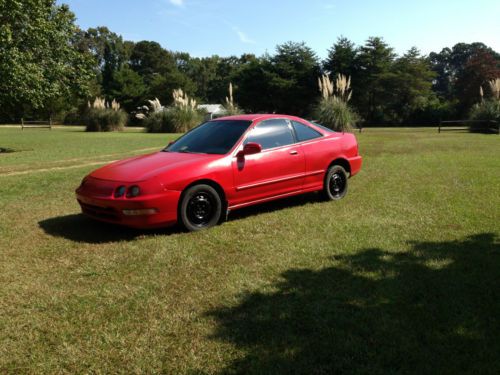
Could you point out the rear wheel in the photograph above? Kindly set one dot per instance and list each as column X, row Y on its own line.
column 201, row 207
column 336, row 183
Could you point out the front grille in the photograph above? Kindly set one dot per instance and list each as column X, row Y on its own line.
column 99, row 212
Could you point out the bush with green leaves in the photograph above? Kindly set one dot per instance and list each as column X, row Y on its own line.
column 487, row 110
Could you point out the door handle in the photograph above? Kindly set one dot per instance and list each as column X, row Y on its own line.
column 293, row 152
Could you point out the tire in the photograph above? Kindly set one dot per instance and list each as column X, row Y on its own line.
column 336, row 183
column 200, row 208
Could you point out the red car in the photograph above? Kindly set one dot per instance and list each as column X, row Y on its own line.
column 220, row 166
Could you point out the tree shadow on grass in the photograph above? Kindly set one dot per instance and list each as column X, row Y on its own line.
column 80, row 228
column 434, row 309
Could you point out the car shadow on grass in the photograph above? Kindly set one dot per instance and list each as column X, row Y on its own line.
column 432, row 309
column 80, row 228
column 275, row 205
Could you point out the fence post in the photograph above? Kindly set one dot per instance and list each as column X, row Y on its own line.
column 22, row 123
column 439, row 127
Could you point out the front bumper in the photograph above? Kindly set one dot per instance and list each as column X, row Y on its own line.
column 111, row 210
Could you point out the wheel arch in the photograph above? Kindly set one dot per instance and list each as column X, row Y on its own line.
column 212, row 183
column 344, row 163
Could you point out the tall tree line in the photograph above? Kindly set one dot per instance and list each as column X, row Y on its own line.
column 48, row 66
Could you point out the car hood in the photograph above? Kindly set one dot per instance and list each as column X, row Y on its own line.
column 141, row 168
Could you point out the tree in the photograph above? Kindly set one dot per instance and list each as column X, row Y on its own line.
column 110, row 53
column 149, row 58
column 158, row 68
column 40, row 60
column 479, row 69
column 293, row 78
column 253, row 86
column 450, row 63
column 412, row 88
column 341, row 58
column 373, row 85
column 128, row 88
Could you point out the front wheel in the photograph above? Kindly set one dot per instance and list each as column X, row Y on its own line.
column 200, row 208
column 335, row 184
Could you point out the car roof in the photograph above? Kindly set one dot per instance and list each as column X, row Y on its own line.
column 258, row 116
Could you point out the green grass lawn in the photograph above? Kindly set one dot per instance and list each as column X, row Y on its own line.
column 402, row 276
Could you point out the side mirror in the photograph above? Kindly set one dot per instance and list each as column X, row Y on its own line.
column 249, row 149
column 170, row 143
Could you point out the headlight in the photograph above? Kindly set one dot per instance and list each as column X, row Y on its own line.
column 133, row 191
column 120, row 191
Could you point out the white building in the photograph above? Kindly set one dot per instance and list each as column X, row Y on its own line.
column 213, row 110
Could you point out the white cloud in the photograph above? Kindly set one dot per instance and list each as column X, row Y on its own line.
column 244, row 37
column 178, row 3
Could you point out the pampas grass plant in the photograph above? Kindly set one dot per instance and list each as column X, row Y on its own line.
column 333, row 109
column 102, row 116
column 179, row 118
column 231, row 108
column 487, row 109
column 495, row 88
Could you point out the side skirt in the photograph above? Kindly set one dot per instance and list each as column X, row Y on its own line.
column 268, row 199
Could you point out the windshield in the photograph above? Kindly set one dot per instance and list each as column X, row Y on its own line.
column 213, row 137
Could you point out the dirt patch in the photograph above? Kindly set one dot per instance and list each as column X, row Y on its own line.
column 55, row 168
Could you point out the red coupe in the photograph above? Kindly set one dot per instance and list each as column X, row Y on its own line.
column 220, row 166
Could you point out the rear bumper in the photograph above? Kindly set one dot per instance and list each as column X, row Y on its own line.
column 110, row 210
column 355, row 164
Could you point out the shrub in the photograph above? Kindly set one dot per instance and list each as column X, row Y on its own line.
column 173, row 120
column 333, row 109
column 102, row 117
column 336, row 114
column 179, row 118
column 487, row 110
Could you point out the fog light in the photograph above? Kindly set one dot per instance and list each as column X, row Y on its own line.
column 143, row 211
column 120, row 190
column 133, row 191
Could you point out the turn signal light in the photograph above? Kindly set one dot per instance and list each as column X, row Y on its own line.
column 143, row 211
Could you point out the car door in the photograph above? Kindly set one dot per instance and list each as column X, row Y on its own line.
column 316, row 152
column 278, row 169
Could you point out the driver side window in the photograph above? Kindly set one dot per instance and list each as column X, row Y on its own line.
column 271, row 133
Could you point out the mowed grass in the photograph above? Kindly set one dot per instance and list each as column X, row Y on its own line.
column 402, row 276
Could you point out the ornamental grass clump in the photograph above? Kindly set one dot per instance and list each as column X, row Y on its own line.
column 488, row 109
column 179, row 118
column 102, row 116
column 333, row 109
column 231, row 108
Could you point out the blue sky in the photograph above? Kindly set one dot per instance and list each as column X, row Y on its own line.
column 225, row 27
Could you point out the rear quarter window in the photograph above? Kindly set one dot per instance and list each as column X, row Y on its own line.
column 304, row 132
